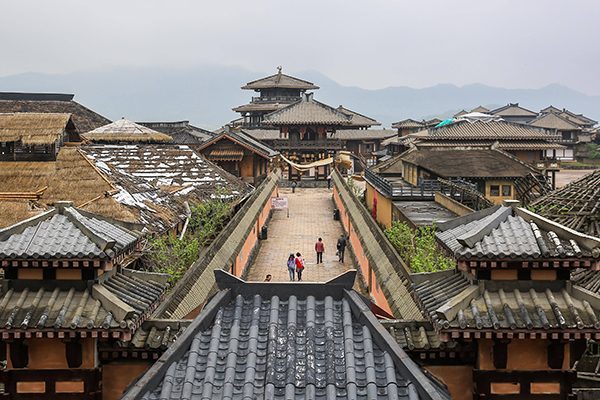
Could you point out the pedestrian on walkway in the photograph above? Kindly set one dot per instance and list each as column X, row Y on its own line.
column 294, row 184
column 268, row 278
column 329, row 181
column 299, row 265
column 291, row 264
column 341, row 247
column 320, row 249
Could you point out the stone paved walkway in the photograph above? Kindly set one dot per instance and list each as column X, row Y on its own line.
column 311, row 217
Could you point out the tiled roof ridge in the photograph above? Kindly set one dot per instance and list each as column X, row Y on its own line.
column 509, row 105
column 256, row 83
column 433, row 132
column 32, row 96
column 552, row 113
column 224, row 315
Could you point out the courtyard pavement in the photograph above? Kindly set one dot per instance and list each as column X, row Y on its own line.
column 311, row 217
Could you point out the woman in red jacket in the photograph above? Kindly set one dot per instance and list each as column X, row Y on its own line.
column 299, row 265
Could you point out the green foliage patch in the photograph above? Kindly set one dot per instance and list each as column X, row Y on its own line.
column 418, row 248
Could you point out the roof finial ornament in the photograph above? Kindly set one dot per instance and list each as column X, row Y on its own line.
column 279, row 69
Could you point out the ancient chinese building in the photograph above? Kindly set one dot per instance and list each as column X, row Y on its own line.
column 64, row 296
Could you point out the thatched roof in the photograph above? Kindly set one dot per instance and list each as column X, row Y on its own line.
column 72, row 177
column 35, row 128
column 125, row 131
column 84, row 118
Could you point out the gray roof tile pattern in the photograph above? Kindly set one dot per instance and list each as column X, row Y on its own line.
column 156, row 335
column 307, row 111
column 513, row 109
column 280, row 81
column 263, row 134
column 554, row 121
column 42, row 307
column 512, row 238
column 365, row 134
column 181, row 132
column 468, row 163
column 505, row 145
column 358, row 119
column 65, row 234
column 408, row 123
column 258, row 341
column 438, row 290
column 284, row 350
column 493, row 130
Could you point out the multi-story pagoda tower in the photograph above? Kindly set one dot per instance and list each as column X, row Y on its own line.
column 276, row 91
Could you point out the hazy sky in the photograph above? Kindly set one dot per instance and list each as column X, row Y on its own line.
column 370, row 44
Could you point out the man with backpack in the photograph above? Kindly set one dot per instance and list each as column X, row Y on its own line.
column 341, row 247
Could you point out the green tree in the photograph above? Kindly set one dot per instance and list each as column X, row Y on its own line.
column 418, row 248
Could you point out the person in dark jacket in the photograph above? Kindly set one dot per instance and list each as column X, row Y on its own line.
column 341, row 247
column 320, row 249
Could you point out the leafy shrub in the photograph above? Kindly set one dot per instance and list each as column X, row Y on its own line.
column 418, row 248
column 168, row 254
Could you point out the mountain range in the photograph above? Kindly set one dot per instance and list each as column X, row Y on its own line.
column 205, row 95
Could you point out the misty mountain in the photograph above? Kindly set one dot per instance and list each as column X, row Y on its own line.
column 206, row 95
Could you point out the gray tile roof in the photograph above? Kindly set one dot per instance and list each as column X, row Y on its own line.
column 365, row 134
column 502, row 145
column 496, row 234
column 181, row 132
column 286, row 341
column 468, row 163
column 493, row 130
column 307, row 111
column 358, row 119
column 66, row 232
column 408, row 123
column 125, row 300
column 513, row 109
column 513, row 305
column 123, row 130
column 246, row 140
column 263, row 134
column 554, row 121
column 280, row 81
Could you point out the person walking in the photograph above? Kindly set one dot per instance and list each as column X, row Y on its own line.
column 341, row 247
column 329, row 181
column 320, row 249
column 291, row 264
column 294, row 184
column 299, row 265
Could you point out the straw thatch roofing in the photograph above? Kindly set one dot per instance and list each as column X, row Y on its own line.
column 84, row 118
column 125, row 131
column 165, row 167
column 73, row 178
column 34, row 129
